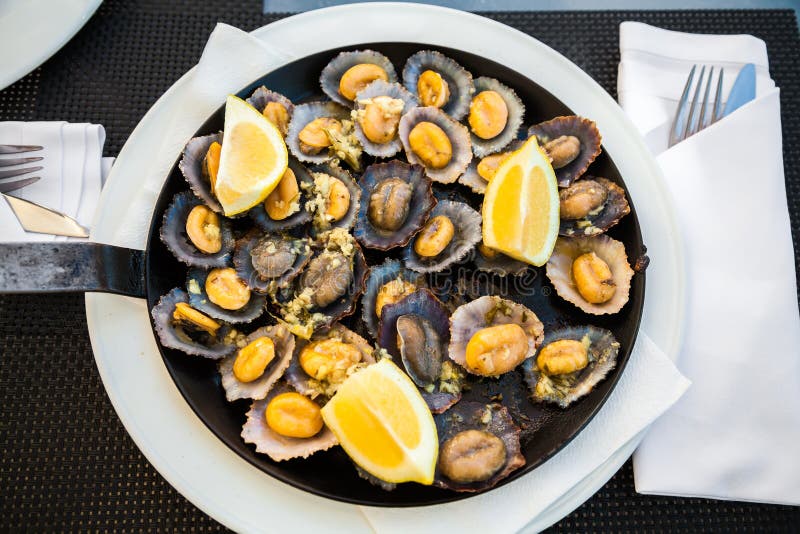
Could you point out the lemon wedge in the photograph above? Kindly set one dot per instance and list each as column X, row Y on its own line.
column 521, row 206
column 253, row 158
column 383, row 424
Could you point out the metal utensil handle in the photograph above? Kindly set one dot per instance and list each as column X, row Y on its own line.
column 71, row 267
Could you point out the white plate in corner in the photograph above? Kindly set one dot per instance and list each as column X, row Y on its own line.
column 155, row 414
column 31, row 31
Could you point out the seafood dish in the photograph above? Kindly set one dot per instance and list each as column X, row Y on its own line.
column 374, row 269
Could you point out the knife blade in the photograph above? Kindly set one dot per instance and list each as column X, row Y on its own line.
column 743, row 90
column 7, row 187
column 41, row 220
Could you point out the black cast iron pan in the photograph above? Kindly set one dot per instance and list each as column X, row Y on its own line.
column 49, row 267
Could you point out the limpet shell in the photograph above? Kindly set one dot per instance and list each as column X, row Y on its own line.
column 422, row 303
column 584, row 129
column 259, row 212
column 375, row 89
column 456, row 132
column 501, row 264
column 201, row 302
column 263, row 96
column 566, row 389
column 611, row 251
column 516, row 111
column 280, row 448
column 173, row 234
column 458, row 79
column 347, row 179
column 175, row 337
column 492, row 418
column 379, row 275
column 491, row 311
column 258, row 388
column 191, row 166
column 467, row 223
column 305, row 113
column 615, row 208
column 421, row 203
column 333, row 71
column 243, row 261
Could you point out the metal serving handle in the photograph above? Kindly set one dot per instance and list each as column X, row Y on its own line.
column 71, row 267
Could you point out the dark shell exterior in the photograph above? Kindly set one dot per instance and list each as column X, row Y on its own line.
column 175, row 337
column 200, row 301
column 566, row 389
column 501, row 264
column 258, row 388
column 424, row 304
column 611, row 251
column 173, row 234
column 191, row 167
column 421, row 204
column 614, row 209
column 458, row 79
column 455, row 131
column 467, row 223
column 243, row 262
column 583, row 129
column 516, row 112
column 382, row 88
column 491, row 418
column 347, row 179
column 378, row 276
column 305, row 113
column 263, row 96
column 491, row 311
column 280, row 448
column 259, row 213
column 333, row 71
column 300, row 380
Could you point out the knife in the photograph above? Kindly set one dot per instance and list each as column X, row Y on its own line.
column 743, row 91
column 41, row 220
column 19, row 184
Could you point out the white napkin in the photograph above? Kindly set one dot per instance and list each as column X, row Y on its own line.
column 735, row 434
column 650, row 384
column 71, row 177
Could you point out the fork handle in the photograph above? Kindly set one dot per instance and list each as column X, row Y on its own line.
column 70, row 268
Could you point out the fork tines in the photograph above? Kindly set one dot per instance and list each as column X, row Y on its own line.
column 18, row 149
column 691, row 115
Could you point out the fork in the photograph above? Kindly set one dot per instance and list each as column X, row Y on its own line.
column 12, row 185
column 687, row 122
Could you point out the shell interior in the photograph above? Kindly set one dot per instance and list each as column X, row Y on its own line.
column 305, row 113
column 611, row 251
column 278, row 447
column 472, row 179
column 584, row 129
column 191, row 167
column 467, row 224
column 259, row 213
column 491, row 418
column 318, row 204
column 379, row 275
column 421, row 203
column 458, row 79
column 243, row 261
column 263, row 96
column 173, row 234
column 258, row 388
column 333, row 71
column 566, row 389
column 491, row 311
column 456, row 132
column 445, row 389
column 615, row 208
column 176, row 336
column 199, row 300
column 516, row 112
column 375, row 89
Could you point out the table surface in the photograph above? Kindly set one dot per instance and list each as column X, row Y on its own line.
column 67, row 462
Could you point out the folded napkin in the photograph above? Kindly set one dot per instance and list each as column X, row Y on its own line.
column 650, row 384
column 72, row 173
column 735, row 434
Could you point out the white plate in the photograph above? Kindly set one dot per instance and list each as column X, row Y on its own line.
column 33, row 30
column 150, row 406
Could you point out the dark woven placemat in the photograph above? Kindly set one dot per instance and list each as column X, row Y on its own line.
column 67, row 462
